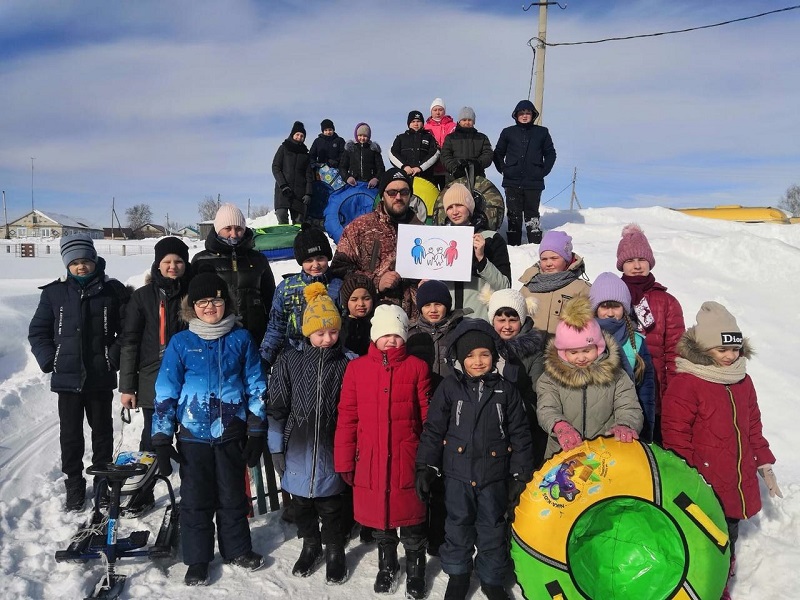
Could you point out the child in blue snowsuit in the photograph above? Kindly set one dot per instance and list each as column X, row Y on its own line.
column 211, row 389
column 611, row 304
column 312, row 251
column 476, row 437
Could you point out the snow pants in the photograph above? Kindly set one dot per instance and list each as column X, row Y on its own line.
column 413, row 537
column 308, row 512
column 522, row 206
column 212, row 485
column 476, row 517
column 96, row 405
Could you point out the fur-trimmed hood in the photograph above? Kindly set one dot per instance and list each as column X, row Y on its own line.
column 601, row 372
column 689, row 349
column 529, row 340
column 349, row 146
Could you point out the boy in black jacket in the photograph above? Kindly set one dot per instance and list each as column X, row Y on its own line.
column 75, row 335
column 477, row 437
column 328, row 147
column 415, row 150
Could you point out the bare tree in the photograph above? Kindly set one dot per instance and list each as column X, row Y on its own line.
column 790, row 201
column 258, row 210
column 138, row 215
column 207, row 208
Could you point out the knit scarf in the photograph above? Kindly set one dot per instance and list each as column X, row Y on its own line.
column 543, row 283
column 724, row 375
column 616, row 328
column 209, row 331
column 638, row 285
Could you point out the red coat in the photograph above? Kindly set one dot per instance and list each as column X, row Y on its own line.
column 717, row 429
column 440, row 130
column 383, row 404
column 663, row 337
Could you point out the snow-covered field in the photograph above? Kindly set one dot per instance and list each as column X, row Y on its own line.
column 752, row 269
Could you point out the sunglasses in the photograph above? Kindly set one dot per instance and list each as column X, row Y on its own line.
column 405, row 193
column 213, row 301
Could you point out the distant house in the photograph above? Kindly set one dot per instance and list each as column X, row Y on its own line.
column 206, row 227
column 149, row 230
column 188, row 232
column 118, row 233
column 51, row 225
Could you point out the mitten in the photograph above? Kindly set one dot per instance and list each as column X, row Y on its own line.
column 348, row 477
column 351, row 181
column 307, row 199
column 768, row 475
column 623, row 433
column 164, row 454
column 515, row 489
column 424, row 479
column 253, row 449
column 372, row 182
column 568, row 436
column 287, row 192
column 279, row 462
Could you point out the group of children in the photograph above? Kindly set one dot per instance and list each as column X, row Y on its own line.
column 436, row 426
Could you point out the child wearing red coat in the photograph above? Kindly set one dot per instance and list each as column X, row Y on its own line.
column 382, row 406
column 711, row 417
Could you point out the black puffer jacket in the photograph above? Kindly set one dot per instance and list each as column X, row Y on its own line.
column 361, row 161
column 76, row 332
column 152, row 317
column 466, row 144
column 292, row 166
column 248, row 275
column 441, row 342
column 476, row 431
column 525, row 155
column 327, row 150
column 415, row 149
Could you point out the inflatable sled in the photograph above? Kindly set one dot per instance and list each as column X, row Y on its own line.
column 276, row 242
column 426, row 193
column 488, row 200
column 346, row 204
column 615, row 521
column 743, row 214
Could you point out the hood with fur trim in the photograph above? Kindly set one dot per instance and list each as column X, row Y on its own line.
column 602, row 371
column 690, row 349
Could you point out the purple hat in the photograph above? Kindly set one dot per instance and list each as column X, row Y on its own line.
column 634, row 244
column 558, row 242
column 608, row 287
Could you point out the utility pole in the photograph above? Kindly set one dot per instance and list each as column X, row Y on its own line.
column 574, row 198
column 541, row 39
column 5, row 216
column 112, row 217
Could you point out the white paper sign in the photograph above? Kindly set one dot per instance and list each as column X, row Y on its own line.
column 434, row 252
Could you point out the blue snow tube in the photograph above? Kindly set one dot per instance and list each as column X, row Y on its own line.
column 321, row 191
column 346, row 204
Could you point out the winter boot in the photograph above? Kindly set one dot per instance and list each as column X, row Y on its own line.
column 141, row 502
column 76, row 494
column 495, row 592
column 102, row 499
column 335, row 564
column 366, row 535
column 534, row 230
column 415, row 575
column 251, row 561
column 196, row 574
column 513, row 237
column 388, row 569
column 310, row 558
column 457, row 587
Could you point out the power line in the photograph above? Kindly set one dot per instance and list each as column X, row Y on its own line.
column 559, row 193
column 660, row 33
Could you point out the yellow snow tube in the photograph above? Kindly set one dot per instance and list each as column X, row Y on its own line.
column 735, row 212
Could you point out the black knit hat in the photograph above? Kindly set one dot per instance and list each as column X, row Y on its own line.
column 434, row 291
column 207, row 285
column 414, row 115
column 298, row 126
column 474, row 339
column 171, row 245
column 326, row 124
column 311, row 241
column 391, row 175
column 354, row 281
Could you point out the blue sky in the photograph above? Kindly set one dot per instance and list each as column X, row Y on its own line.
column 167, row 102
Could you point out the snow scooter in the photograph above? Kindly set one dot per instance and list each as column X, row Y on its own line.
column 98, row 538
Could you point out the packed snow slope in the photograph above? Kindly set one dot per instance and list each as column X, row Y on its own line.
column 752, row 269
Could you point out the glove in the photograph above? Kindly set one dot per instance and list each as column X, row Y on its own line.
column 287, row 192
column 768, row 475
column 307, row 199
column 348, row 477
column 164, row 453
column 279, row 462
column 351, row 181
column 372, row 182
column 253, row 449
column 568, row 436
column 623, row 433
column 424, row 479
column 515, row 489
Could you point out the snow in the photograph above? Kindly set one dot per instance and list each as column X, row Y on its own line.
column 753, row 269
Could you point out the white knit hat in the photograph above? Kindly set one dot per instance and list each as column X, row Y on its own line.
column 438, row 102
column 508, row 298
column 229, row 215
column 389, row 319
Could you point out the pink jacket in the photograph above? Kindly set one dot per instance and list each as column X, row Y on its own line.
column 440, row 130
